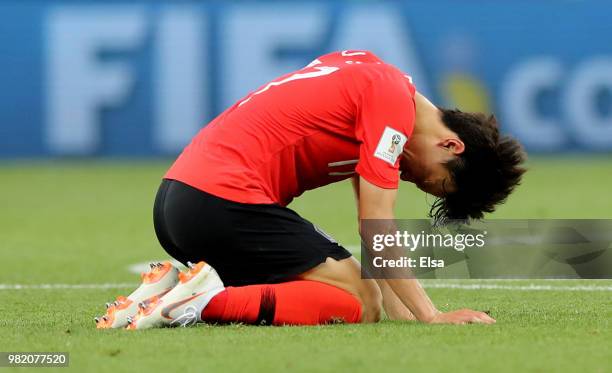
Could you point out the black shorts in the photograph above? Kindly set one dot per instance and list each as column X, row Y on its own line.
column 245, row 243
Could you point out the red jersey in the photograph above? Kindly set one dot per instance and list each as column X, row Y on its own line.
column 345, row 113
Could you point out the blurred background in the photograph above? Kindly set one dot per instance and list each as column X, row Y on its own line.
column 139, row 78
column 98, row 97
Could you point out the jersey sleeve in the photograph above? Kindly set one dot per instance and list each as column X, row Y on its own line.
column 384, row 122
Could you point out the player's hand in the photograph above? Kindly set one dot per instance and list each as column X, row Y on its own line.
column 464, row 316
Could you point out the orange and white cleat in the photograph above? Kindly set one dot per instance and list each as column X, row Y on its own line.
column 183, row 305
column 158, row 281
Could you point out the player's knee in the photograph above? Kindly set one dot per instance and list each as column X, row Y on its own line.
column 371, row 302
column 346, row 274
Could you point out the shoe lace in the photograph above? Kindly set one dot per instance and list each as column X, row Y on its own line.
column 188, row 318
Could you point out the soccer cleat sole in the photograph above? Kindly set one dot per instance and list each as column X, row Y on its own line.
column 158, row 281
column 176, row 307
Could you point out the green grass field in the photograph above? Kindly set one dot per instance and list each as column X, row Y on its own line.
column 84, row 222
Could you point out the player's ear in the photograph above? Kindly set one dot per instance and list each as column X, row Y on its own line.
column 454, row 145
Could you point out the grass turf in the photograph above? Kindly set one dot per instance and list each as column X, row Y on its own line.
column 83, row 222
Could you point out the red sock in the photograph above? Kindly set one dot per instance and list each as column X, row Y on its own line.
column 288, row 303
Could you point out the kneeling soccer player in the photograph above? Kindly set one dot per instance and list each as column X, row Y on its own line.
column 345, row 115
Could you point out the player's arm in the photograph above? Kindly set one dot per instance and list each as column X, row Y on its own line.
column 394, row 308
column 378, row 203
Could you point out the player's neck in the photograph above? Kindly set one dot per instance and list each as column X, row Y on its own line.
column 427, row 119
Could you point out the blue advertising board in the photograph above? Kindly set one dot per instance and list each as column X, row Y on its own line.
column 139, row 78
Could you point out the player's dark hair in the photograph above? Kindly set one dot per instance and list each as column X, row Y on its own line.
column 484, row 174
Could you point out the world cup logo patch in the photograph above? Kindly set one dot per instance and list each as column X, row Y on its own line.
column 390, row 145
column 395, row 140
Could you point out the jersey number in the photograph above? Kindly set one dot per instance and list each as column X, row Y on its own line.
column 319, row 71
